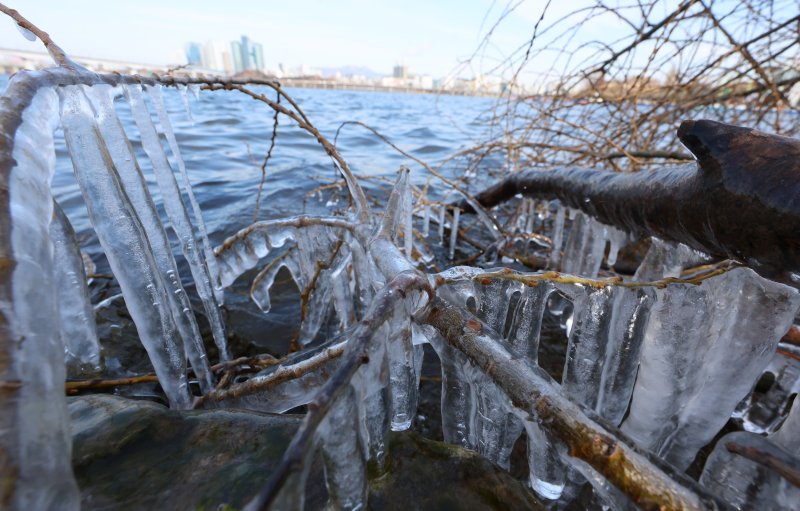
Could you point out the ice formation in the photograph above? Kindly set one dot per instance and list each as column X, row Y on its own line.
column 668, row 364
column 34, row 436
column 76, row 316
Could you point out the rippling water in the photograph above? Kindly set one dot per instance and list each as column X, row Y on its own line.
column 224, row 142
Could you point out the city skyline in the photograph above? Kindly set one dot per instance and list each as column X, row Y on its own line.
column 432, row 38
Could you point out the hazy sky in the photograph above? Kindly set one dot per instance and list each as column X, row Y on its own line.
column 430, row 36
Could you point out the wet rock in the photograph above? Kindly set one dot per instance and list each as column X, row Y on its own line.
column 130, row 454
column 427, row 475
column 133, row 454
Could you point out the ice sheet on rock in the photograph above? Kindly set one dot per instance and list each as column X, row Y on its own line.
column 745, row 484
column 121, row 235
column 75, row 312
column 345, row 464
column 178, row 215
column 666, row 259
column 207, row 254
column 35, row 436
column 703, row 349
column 135, row 187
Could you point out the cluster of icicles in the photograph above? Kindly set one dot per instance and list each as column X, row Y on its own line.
column 669, row 366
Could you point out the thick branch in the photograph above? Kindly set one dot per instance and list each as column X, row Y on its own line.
column 740, row 203
column 648, row 482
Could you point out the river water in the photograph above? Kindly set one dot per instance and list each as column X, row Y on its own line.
column 228, row 134
column 223, row 140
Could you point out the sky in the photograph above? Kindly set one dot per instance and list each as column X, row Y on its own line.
column 429, row 36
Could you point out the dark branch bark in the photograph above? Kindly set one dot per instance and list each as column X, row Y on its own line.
column 740, row 203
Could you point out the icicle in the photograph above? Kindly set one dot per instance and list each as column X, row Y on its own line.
column 442, row 211
column 558, row 236
column 243, row 251
column 194, row 89
column 665, row 259
column 546, row 470
column 604, row 345
column 745, row 484
column 495, row 427
column 27, row 34
column 122, row 237
column 371, row 382
column 616, row 240
column 35, row 438
column 454, row 233
column 178, row 215
column 78, row 328
column 531, row 216
column 343, row 293
column 402, row 369
column 345, row 465
column 703, row 350
column 185, row 100
column 408, row 221
column 207, row 255
column 426, row 220
column 135, row 187
column 523, row 335
column 456, row 395
column 583, row 252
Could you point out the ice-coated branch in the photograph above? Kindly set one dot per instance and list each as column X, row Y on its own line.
column 55, row 51
column 739, row 202
column 394, row 292
column 649, row 483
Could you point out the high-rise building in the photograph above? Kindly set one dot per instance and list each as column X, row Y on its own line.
column 216, row 56
column 258, row 56
column 194, row 55
column 401, row 72
column 236, row 56
column 247, row 53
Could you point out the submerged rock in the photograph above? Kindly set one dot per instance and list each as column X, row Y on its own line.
column 133, row 454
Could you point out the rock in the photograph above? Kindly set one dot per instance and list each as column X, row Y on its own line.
column 426, row 475
column 132, row 454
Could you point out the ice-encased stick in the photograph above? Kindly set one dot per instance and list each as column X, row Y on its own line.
column 78, row 327
column 135, row 186
column 178, row 214
column 34, row 426
column 122, row 237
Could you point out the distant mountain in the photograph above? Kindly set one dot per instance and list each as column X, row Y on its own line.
column 350, row 71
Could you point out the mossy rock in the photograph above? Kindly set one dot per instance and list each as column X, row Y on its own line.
column 132, row 454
